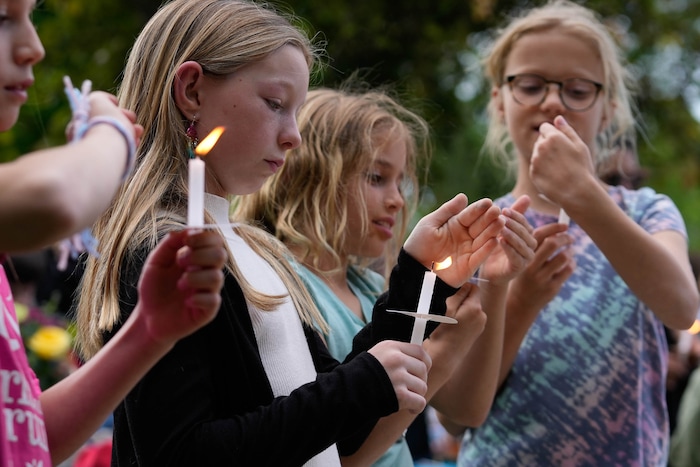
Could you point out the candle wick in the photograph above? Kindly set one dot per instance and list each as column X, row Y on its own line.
column 432, row 266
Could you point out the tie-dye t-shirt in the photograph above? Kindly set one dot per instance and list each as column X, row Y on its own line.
column 23, row 440
column 588, row 384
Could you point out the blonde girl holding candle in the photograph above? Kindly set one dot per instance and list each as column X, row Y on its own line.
column 48, row 195
column 257, row 386
column 584, row 364
column 341, row 203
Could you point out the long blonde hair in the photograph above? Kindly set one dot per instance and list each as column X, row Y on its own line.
column 222, row 36
column 306, row 203
column 618, row 83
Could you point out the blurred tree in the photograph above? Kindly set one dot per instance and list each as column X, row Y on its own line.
column 429, row 52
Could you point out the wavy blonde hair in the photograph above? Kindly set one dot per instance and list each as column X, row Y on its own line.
column 618, row 84
column 306, row 203
column 222, row 36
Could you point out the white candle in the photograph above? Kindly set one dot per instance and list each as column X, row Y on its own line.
column 563, row 217
column 426, row 296
column 195, row 205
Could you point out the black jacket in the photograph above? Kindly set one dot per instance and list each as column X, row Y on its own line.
column 208, row 402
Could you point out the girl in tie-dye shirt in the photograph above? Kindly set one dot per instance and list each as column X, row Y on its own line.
column 584, row 356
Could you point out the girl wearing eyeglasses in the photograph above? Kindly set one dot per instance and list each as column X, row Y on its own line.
column 584, row 359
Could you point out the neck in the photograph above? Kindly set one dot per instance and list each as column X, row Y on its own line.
column 538, row 202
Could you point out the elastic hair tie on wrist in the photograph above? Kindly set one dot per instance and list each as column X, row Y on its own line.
column 130, row 142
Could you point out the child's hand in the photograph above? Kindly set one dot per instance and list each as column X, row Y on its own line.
column 103, row 104
column 516, row 246
column 180, row 285
column 551, row 266
column 465, row 232
column 449, row 343
column 561, row 166
column 407, row 366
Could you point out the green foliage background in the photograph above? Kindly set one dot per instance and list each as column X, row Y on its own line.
column 429, row 53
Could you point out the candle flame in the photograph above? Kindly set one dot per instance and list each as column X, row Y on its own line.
column 444, row 264
column 209, row 141
column 695, row 328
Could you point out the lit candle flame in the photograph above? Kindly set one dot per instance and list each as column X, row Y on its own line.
column 444, row 264
column 209, row 141
column 695, row 328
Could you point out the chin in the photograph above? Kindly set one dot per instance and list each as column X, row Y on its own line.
column 7, row 122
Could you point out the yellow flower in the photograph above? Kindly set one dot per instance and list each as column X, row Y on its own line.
column 50, row 343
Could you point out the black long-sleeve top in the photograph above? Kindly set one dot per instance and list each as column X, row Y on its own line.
column 208, row 402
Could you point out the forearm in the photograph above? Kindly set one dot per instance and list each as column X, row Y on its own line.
column 50, row 194
column 383, row 436
column 468, row 394
column 76, row 406
column 452, row 427
column 390, row 428
column 660, row 277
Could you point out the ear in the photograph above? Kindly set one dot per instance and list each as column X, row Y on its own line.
column 188, row 80
column 497, row 102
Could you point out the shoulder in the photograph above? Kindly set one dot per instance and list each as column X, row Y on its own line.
column 652, row 210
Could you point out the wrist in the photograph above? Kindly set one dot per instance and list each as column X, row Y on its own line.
column 140, row 331
column 124, row 132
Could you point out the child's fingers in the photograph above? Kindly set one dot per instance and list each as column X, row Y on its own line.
column 521, row 204
column 202, row 280
column 205, row 249
column 206, row 302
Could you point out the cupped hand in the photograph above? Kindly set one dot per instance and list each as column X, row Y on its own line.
column 551, row 266
column 516, row 245
column 465, row 232
column 407, row 366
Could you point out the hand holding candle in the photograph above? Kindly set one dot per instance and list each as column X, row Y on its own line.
column 422, row 315
column 195, row 205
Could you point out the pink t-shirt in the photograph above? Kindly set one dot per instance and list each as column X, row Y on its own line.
column 23, row 441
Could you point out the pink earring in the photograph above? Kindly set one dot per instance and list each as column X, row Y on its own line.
column 192, row 136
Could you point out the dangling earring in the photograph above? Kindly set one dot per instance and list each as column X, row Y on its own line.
column 192, row 137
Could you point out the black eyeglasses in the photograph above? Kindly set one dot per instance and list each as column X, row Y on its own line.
column 577, row 94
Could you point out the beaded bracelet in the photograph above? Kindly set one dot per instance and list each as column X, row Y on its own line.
column 128, row 136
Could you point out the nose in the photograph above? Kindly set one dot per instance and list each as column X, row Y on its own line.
column 394, row 198
column 28, row 49
column 290, row 138
column 552, row 97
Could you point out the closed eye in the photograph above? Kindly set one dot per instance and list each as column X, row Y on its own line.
column 274, row 104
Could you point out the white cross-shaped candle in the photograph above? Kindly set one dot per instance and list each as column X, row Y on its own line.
column 195, row 204
column 423, row 315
